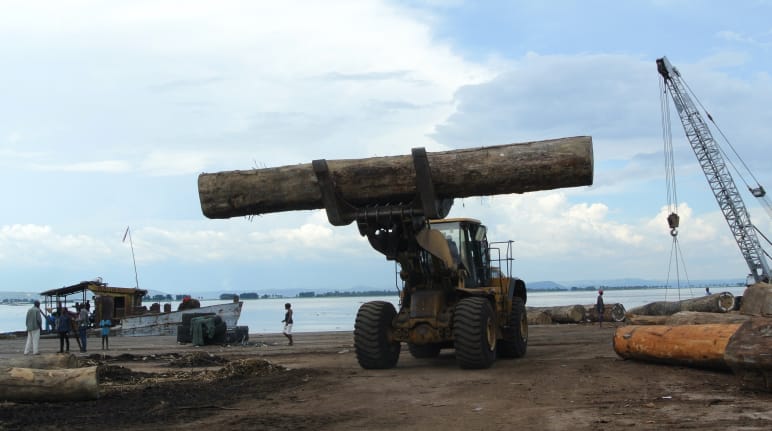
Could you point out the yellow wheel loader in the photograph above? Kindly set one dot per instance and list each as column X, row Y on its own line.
column 454, row 294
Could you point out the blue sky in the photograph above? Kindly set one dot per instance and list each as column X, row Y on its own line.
column 110, row 110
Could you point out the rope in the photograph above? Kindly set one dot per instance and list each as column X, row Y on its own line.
column 673, row 218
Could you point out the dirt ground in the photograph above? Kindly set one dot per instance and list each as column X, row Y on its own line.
column 570, row 379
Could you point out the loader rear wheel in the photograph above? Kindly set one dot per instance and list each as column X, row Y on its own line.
column 515, row 340
column 421, row 351
column 374, row 346
column 474, row 330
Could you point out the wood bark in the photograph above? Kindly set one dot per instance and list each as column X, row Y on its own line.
column 744, row 348
column 644, row 319
column 35, row 385
column 757, row 300
column 564, row 313
column 611, row 312
column 749, row 353
column 702, row 318
column 715, row 303
column 42, row 361
column 539, row 318
column 504, row 169
column 700, row 346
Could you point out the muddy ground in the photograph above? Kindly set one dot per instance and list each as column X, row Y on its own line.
column 569, row 379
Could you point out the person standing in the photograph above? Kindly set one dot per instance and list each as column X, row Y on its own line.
column 34, row 323
column 600, row 307
column 63, row 328
column 288, row 322
column 105, row 325
column 83, row 326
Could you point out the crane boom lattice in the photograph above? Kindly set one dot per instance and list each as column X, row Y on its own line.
column 716, row 172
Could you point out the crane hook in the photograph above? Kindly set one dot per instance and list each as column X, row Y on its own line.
column 673, row 220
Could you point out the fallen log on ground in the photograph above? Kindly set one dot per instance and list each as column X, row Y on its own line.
column 611, row 312
column 703, row 318
column 743, row 348
column 693, row 345
column 643, row 319
column 715, row 303
column 504, row 169
column 749, row 353
column 539, row 318
column 35, row 385
column 757, row 300
column 42, row 361
column 564, row 313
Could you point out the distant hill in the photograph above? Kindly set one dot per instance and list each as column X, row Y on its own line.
column 545, row 285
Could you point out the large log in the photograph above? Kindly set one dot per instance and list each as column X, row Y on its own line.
column 30, row 384
column 539, row 318
column 715, row 303
column 564, row 313
column 757, row 300
column 743, row 348
column 700, row 346
column 504, row 169
column 749, row 353
column 611, row 312
column 703, row 318
column 43, row 361
column 644, row 319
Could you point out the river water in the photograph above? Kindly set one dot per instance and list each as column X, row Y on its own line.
column 338, row 314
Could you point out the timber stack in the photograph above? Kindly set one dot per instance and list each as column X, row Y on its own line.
column 741, row 347
column 485, row 171
column 716, row 303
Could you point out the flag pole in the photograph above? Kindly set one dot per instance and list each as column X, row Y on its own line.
column 131, row 243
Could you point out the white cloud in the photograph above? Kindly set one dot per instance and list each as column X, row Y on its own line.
column 40, row 246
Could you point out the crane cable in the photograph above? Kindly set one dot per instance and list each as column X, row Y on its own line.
column 673, row 219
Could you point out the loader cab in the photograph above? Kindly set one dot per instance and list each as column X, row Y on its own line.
column 468, row 237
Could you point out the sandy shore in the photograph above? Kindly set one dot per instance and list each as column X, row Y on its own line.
column 570, row 378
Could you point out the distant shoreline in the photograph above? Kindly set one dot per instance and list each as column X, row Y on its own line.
column 27, row 298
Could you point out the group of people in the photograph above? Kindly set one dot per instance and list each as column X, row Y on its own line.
column 63, row 322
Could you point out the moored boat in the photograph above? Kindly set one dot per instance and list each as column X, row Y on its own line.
column 123, row 307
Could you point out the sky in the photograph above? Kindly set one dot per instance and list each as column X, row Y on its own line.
column 111, row 110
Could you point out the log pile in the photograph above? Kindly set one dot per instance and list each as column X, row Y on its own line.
column 611, row 313
column 504, row 169
column 740, row 347
column 563, row 313
column 537, row 317
column 47, row 378
column 757, row 300
column 716, row 303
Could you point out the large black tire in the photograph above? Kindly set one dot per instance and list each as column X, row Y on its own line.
column 372, row 336
column 474, row 332
column 515, row 341
column 421, row 351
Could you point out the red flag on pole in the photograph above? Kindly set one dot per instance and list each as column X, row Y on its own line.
column 125, row 234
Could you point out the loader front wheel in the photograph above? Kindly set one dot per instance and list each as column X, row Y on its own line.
column 515, row 341
column 474, row 333
column 373, row 343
